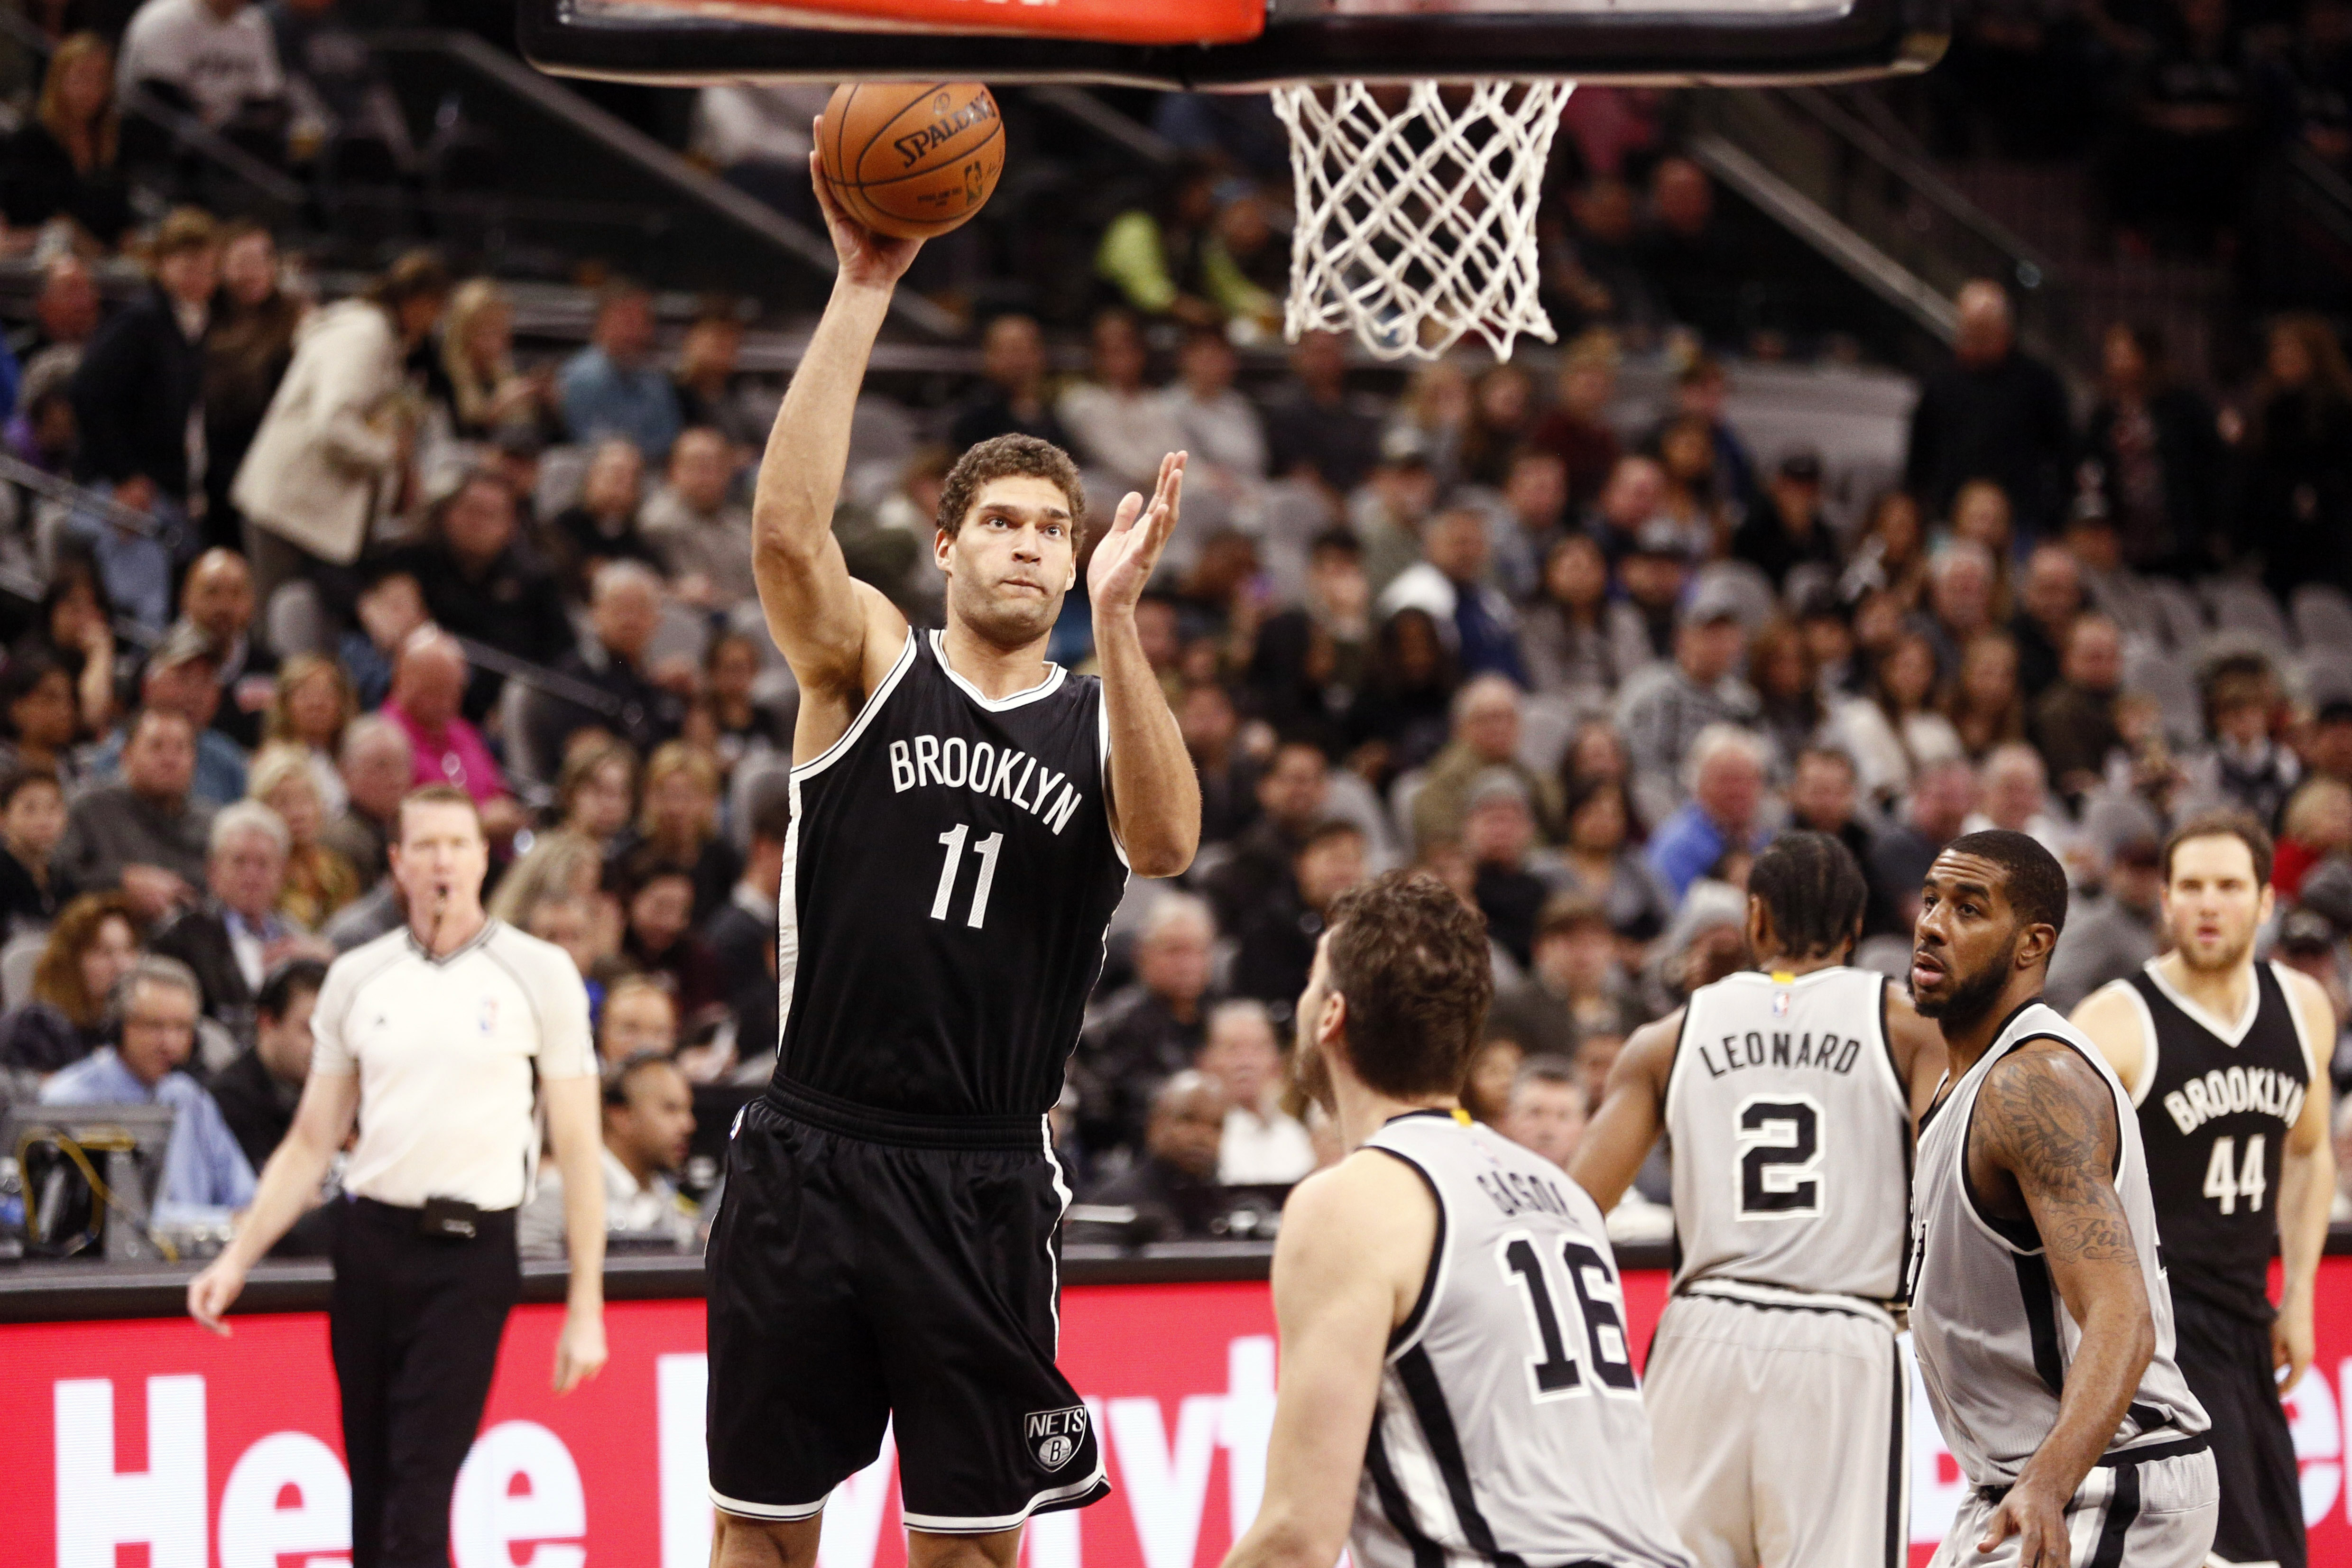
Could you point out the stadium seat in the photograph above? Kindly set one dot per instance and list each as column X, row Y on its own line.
column 2182, row 616
column 562, row 474
column 1402, row 793
column 2324, row 675
column 1547, row 724
column 1750, row 590
column 2323, row 618
column 1888, row 955
column 297, row 622
column 17, row 962
column 2247, row 609
column 2166, row 678
column 684, row 631
column 524, row 763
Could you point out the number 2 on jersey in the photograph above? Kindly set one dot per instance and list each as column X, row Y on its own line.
column 1554, row 1369
column 1779, row 1143
column 987, row 850
column 2226, row 1183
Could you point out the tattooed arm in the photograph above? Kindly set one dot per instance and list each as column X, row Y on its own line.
column 2045, row 1136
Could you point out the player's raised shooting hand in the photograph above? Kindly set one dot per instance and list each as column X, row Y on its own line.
column 870, row 259
column 1130, row 552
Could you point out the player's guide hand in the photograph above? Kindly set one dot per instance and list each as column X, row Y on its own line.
column 1129, row 552
column 2039, row 1523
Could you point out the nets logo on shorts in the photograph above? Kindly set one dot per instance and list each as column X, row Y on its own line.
column 1053, row 1436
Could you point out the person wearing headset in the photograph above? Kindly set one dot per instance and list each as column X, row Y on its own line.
column 151, row 1018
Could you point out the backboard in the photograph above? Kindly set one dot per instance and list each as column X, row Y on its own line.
column 1234, row 45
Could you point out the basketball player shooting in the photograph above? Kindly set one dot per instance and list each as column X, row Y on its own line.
column 2227, row 1060
column 964, row 814
column 1456, row 1383
column 2039, row 1310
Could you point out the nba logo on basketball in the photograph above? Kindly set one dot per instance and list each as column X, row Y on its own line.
column 1053, row 1434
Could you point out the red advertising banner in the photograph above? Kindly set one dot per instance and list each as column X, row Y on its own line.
column 154, row 1441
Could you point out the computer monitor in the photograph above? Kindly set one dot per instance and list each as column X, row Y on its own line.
column 59, row 1148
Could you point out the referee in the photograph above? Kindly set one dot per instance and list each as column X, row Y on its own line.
column 439, row 1030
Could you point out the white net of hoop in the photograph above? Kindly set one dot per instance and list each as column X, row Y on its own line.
column 1417, row 219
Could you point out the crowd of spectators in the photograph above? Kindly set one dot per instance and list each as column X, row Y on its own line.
column 2184, row 107
column 1580, row 666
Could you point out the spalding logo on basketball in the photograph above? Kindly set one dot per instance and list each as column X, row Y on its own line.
column 1053, row 1434
column 912, row 160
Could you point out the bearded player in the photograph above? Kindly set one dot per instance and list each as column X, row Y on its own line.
column 2227, row 1061
column 2039, row 1306
column 964, row 814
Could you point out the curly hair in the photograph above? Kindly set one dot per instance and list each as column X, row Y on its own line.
column 56, row 975
column 1412, row 960
column 1009, row 457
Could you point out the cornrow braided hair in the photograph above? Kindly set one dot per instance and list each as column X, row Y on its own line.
column 1813, row 891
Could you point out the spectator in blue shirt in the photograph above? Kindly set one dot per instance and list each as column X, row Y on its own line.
column 612, row 387
column 205, row 1174
column 182, row 677
column 1723, row 812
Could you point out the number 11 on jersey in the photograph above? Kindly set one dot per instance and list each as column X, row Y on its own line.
column 987, row 849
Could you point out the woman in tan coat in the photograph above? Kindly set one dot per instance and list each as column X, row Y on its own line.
column 331, row 451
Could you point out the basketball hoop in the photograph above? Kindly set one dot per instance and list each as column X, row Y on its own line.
column 1417, row 224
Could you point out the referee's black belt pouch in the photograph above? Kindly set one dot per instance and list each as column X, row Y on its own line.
column 449, row 1219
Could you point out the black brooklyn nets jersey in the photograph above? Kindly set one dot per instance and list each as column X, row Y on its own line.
column 948, row 879
column 2217, row 1098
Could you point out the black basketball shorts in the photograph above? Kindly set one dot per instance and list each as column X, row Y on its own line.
column 857, row 1280
column 2226, row 1357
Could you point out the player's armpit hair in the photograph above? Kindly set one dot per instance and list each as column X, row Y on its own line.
column 2052, row 1119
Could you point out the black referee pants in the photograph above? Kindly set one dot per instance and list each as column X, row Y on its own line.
column 415, row 1322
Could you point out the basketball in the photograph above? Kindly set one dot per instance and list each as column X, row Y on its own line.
column 912, row 159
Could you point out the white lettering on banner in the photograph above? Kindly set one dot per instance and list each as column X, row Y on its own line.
column 680, row 1385
column 1165, row 1494
column 1246, row 1425
column 255, row 1531
column 2318, row 1431
column 853, row 1515
column 100, row 1507
column 488, row 1517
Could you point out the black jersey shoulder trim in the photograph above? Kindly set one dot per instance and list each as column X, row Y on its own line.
column 2020, row 1235
column 1404, row 1333
column 1418, row 1373
column 2034, row 1288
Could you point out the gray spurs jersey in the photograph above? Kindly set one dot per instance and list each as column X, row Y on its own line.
column 1790, row 1135
column 1510, row 1428
column 1993, row 1336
